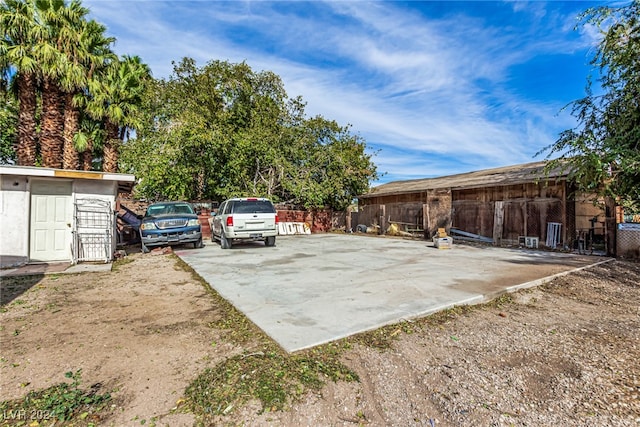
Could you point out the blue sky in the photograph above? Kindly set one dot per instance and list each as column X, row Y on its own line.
column 435, row 88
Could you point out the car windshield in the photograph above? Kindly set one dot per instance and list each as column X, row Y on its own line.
column 253, row 206
column 169, row 209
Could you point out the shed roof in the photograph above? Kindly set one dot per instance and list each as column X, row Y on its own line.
column 125, row 181
column 507, row 175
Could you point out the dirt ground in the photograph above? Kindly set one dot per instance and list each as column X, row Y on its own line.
column 566, row 353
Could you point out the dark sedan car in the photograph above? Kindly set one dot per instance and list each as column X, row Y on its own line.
column 170, row 223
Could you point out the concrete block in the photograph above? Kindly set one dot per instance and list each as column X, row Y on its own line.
column 443, row 242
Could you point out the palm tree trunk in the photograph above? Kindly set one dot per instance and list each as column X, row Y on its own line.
column 27, row 137
column 71, row 125
column 111, row 148
column 52, row 125
column 87, row 156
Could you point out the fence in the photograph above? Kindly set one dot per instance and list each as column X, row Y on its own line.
column 628, row 240
column 408, row 215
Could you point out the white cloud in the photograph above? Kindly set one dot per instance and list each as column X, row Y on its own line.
column 435, row 87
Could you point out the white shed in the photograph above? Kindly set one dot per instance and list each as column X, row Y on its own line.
column 55, row 215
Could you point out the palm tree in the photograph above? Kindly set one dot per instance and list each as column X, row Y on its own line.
column 90, row 53
column 117, row 95
column 18, row 61
column 60, row 26
column 8, row 125
column 88, row 139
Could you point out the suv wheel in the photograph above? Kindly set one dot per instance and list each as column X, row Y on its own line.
column 198, row 244
column 224, row 242
column 270, row 241
column 145, row 249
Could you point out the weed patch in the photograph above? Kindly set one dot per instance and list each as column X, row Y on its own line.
column 118, row 263
column 270, row 376
column 61, row 402
column 382, row 338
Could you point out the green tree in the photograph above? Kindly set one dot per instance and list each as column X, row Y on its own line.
column 89, row 141
column 19, row 63
column 60, row 66
column 331, row 166
column 57, row 48
column 85, row 57
column 8, row 126
column 116, row 95
column 603, row 152
column 224, row 130
column 201, row 131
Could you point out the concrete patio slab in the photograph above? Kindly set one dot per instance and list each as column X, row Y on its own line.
column 41, row 269
column 309, row 290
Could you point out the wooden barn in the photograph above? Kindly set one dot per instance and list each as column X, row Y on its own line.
column 513, row 205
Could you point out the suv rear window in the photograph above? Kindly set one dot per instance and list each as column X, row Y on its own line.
column 252, row 206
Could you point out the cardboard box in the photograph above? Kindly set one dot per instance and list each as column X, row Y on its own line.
column 443, row 242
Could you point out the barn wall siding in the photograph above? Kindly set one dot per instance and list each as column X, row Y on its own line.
column 523, row 210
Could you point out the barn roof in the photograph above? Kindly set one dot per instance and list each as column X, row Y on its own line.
column 507, row 175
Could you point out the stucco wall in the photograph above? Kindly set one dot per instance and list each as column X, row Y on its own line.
column 14, row 217
column 88, row 189
column 15, row 211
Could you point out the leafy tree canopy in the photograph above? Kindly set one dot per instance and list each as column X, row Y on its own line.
column 603, row 152
column 224, row 130
column 8, row 126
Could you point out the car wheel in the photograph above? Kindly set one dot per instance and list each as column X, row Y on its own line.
column 145, row 249
column 270, row 241
column 224, row 242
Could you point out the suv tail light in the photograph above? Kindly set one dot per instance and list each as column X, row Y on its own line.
column 277, row 219
column 229, row 221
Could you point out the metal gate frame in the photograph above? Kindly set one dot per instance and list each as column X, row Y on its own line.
column 92, row 230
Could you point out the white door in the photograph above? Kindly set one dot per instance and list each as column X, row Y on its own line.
column 51, row 219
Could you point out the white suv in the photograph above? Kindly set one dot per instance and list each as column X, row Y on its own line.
column 245, row 219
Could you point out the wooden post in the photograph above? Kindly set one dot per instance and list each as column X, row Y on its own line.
column 525, row 217
column 382, row 220
column 610, row 228
column 563, row 215
column 498, row 221
column 347, row 221
column 426, row 220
